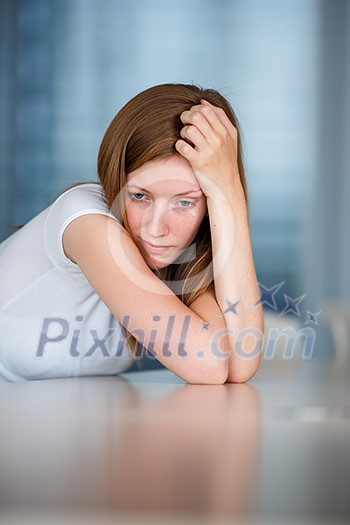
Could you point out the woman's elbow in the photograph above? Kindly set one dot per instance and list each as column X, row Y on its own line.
column 241, row 376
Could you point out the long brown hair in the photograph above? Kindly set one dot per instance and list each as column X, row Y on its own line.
column 145, row 129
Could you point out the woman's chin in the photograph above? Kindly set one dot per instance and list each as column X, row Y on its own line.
column 156, row 264
column 162, row 260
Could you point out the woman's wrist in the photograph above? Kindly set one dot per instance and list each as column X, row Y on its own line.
column 230, row 204
column 228, row 193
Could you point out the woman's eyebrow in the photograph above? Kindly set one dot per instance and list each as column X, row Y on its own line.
column 175, row 194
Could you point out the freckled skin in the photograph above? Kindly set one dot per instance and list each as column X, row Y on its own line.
column 160, row 217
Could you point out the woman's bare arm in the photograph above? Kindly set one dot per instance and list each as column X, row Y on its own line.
column 236, row 285
column 213, row 158
column 157, row 318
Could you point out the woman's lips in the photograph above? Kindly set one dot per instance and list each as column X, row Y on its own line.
column 155, row 249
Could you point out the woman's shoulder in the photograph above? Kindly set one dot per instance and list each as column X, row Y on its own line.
column 77, row 231
column 80, row 188
column 78, row 199
column 72, row 204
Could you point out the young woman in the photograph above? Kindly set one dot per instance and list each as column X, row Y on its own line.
column 155, row 257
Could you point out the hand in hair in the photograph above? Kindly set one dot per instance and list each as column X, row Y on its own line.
column 213, row 153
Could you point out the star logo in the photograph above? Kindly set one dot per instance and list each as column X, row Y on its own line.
column 231, row 307
column 267, row 295
column 205, row 326
column 292, row 304
column 312, row 318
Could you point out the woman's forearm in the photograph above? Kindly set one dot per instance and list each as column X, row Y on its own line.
column 236, row 285
column 215, row 158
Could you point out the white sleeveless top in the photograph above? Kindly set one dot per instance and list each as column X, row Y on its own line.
column 52, row 322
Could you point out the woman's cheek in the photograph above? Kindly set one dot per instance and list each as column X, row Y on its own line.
column 183, row 221
column 187, row 224
column 134, row 216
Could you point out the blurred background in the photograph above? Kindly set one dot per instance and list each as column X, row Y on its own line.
column 67, row 66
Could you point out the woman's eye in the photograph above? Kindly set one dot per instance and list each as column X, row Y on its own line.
column 187, row 204
column 184, row 204
column 135, row 196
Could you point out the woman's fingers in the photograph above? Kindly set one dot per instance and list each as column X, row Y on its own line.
column 205, row 118
column 220, row 115
column 210, row 119
column 186, row 150
column 194, row 135
column 196, row 118
column 207, row 132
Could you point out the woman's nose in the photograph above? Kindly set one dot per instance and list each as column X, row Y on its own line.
column 156, row 221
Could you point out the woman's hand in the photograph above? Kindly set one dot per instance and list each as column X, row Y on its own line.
column 213, row 156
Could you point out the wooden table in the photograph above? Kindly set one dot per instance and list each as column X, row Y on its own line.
column 145, row 447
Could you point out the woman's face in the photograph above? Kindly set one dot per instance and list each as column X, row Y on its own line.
column 165, row 207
